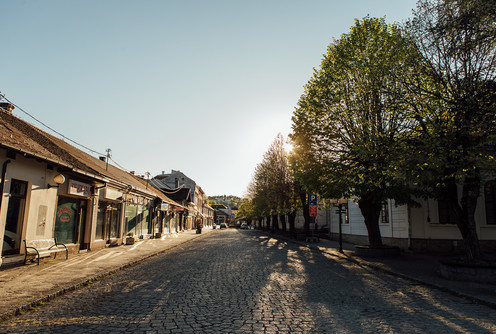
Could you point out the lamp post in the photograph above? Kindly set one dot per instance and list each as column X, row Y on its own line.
column 340, row 203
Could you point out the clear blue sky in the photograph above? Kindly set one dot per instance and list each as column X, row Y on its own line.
column 199, row 86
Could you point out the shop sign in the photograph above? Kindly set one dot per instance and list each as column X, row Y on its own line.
column 79, row 188
column 112, row 194
column 165, row 207
column 65, row 213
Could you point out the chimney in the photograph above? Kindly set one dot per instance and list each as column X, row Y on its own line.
column 103, row 158
column 131, row 172
column 7, row 107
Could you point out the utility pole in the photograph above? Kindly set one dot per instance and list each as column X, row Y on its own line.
column 108, row 150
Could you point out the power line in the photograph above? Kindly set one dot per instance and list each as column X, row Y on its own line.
column 60, row 134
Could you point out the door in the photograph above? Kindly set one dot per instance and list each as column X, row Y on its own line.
column 15, row 218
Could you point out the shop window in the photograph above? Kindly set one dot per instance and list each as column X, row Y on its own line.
column 108, row 218
column 131, row 219
column 66, row 220
column 446, row 213
column 490, row 202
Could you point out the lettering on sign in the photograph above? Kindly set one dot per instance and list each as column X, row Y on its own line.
column 312, row 199
column 79, row 188
column 64, row 213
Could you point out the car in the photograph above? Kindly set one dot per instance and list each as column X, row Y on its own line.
column 214, row 227
column 244, row 226
column 223, row 225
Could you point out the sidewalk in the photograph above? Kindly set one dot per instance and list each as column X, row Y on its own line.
column 419, row 268
column 24, row 286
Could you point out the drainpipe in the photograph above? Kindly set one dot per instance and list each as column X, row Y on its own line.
column 2, row 183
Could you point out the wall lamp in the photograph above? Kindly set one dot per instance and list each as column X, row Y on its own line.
column 58, row 179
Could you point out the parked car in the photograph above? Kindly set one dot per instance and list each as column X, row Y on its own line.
column 214, row 227
column 223, row 225
column 244, row 226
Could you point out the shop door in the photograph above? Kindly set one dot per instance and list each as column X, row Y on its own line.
column 112, row 221
column 15, row 218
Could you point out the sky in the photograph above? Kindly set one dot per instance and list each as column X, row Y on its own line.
column 200, row 86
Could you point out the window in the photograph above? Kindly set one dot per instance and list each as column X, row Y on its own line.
column 384, row 218
column 107, row 221
column 490, row 202
column 345, row 217
column 66, row 220
column 15, row 218
column 446, row 213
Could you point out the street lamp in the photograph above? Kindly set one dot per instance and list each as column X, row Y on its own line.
column 339, row 203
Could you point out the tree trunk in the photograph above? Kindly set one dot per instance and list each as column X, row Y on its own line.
column 269, row 227
column 282, row 219
column 292, row 218
column 275, row 223
column 371, row 210
column 306, row 210
column 467, row 225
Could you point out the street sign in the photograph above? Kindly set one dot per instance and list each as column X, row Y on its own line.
column 313, row 210
column 312, row 199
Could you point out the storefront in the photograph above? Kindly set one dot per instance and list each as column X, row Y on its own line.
column 108, row 220
column 137, row 217
column 71, row 215
column 109, row 215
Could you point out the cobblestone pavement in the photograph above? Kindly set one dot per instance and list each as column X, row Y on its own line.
column 243, row 282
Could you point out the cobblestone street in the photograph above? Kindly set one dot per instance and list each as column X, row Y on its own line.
column 237, row 281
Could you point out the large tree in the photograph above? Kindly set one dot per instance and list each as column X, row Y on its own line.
column 350, row 126
column 454, row 99
column 272, row 190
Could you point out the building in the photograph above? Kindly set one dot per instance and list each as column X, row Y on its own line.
column 50, row 189
column 185, row 190
column 427, row 228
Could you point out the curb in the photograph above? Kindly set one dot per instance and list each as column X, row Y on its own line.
column 86, row 281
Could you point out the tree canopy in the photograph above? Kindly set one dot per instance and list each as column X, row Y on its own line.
column 350, row 128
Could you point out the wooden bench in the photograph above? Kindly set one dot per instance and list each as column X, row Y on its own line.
column 43, row 248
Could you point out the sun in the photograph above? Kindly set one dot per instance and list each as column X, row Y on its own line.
column 288, row 147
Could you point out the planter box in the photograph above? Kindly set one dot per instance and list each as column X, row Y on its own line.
column 130, row 240
column 366, row 251
column 468, row 272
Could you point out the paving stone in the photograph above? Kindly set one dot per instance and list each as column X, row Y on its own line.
column 244, row 282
